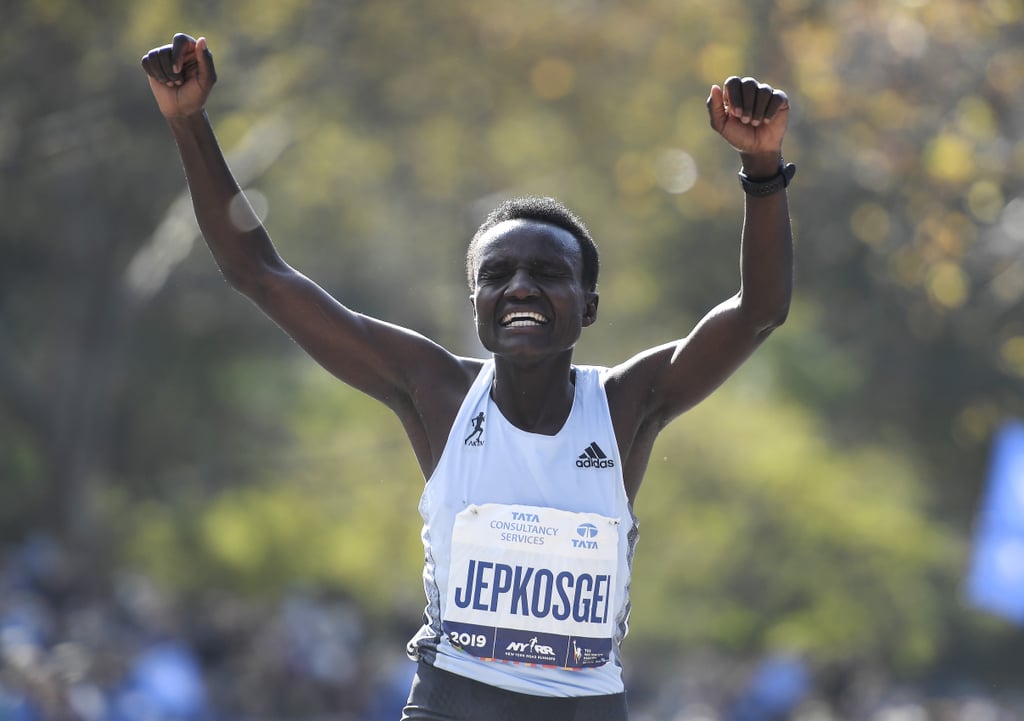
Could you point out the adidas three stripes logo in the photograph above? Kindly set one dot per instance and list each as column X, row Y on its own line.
column 594, row 457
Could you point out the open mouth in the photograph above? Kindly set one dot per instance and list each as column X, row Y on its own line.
column 522, row 319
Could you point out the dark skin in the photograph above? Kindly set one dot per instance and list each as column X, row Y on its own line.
column 529, row 301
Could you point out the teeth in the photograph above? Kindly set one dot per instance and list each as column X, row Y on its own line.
column 523, row 318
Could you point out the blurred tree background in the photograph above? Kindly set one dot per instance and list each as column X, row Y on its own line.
column 822, row 502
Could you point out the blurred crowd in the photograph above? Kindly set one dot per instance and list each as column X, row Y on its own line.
column 72, row 649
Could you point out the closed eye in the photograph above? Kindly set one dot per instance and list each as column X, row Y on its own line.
column 546, row 270
column 492, row 270
column 486, row 275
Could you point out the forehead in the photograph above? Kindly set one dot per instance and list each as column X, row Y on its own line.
column 528, row 240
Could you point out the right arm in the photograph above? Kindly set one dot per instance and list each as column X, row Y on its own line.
column 415, row 377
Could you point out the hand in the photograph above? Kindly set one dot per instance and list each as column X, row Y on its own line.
column 181, row 75
column 750, row 115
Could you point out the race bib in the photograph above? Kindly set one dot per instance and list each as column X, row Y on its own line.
column 533, row 585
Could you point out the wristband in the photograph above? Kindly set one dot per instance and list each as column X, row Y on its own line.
column 760, row 187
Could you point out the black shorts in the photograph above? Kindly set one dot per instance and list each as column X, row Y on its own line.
column 438, row 695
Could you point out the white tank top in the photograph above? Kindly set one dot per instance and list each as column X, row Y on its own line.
column 529, row 545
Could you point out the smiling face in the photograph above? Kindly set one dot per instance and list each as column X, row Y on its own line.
column 528, row 294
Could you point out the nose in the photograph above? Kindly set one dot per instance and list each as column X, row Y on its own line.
column 521, row 285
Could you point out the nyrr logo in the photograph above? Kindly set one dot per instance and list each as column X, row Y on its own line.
column 594, row 457
column 531, row 647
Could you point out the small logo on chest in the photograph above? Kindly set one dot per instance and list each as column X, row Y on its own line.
column 594, row 457
column 476, row 435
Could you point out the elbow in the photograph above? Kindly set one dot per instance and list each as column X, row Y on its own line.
column 245, row 282
column 778, row 318
column 773, row 322
column 256, row 286
column 765, row 318
column 241, row 278
column 255, row 277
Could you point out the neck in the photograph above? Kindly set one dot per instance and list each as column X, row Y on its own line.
column 537, row 397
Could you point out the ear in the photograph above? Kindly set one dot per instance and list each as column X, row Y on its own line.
column 472, row 302
column 590, row 309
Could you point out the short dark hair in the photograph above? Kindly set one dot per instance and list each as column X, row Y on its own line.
column 544, row 210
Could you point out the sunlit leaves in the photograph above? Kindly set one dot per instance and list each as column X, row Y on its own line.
column 985, row 200
column 527, row 143
column 818, row 83
column 327, row 513
column 1003, row 71
column 821, row 549
column 950, row 158
column 438, row 156
column 717, row 61
column 337, row 162
column 1011, row 352
column 912, row 106
column 870, row 222
column 552, row 78
column 635, row 173
column 271, row 17
column 947, row 285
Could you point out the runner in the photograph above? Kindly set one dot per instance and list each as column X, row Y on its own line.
column 532, row 463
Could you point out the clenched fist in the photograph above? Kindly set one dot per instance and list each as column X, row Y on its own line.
column 181, row 75
column 750, row 115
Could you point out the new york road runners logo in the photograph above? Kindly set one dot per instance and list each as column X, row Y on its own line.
column 531, row 647
column 594, row 457
column 476, row 436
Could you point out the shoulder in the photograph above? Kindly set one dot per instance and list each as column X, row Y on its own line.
column 634, row 388
column 636, row 376
column 435, row 394
column 448, row 381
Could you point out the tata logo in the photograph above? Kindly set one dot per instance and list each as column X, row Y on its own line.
column 528, row 517
column 586, row 532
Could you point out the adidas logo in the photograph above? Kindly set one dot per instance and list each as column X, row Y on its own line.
column 594, row 457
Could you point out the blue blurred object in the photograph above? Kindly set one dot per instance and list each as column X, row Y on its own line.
column 389, row 697
column 777, row 687
column 166, row 684
column 15, row 707
column 996, row 579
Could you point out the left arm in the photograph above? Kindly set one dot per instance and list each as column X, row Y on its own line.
column 654, row 387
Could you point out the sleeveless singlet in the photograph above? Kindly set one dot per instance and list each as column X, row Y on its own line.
column 529, row 543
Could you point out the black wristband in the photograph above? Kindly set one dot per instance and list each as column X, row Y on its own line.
column 760, row 187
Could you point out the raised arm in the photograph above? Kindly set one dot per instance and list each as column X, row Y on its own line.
column 399, row 367
column 656, row 386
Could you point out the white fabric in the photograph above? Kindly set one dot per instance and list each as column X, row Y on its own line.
column 529, row 543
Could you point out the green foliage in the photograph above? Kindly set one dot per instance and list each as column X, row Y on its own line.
column 758, row 531
column 338, row 510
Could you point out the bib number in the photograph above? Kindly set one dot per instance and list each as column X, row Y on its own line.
column 532, row 585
